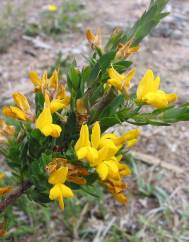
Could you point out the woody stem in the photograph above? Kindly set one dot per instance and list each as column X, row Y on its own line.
column 14, row 195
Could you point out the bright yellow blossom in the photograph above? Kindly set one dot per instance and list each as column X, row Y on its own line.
column 59, row 190
column 5, row 131
column 45, row 121
column 94, row 40
column 4, row 190
column 100, row 150
column 149, row 92
column 120, row 81
column 52, row 7
column 75, row 173
column 21, row 110
column 51, row 86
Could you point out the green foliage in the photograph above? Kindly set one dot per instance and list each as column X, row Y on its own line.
column 148, row 21
column 143, row 26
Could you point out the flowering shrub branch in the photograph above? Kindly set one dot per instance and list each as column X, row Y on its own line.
column 63, row 143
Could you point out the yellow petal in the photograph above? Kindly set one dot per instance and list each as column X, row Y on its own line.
column 21, row 101
column 131, row 143
column 88, row 153
column 107, row 139
column 171, row 97
column 66, row 191
column 56, row 105
column 82, row 153
column 66, row 100
column 107, row 152
column 132, row 134
column 58, row 176
column 120, row 197
column 115, row 83
column 61, row 202
column 92, row 156
column 112, row 166
column 56, row 194
column 14, row 112
column 128, row 78
column 102, row 171
column 47, row 100
column 113, row 74
column 35, row 79
column 54, row 80
column 45, row 80
column 156, row 99
column 53, row 130
column 95, row 136
column 147, row 84
column 61, row 92
column 4, row 190
column 84, row 138
column 133, row 50
column 124, row 170
column 44, row 119
column 90, row 36
column 52, row 7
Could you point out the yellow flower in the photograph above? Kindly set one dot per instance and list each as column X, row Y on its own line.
column 125, row 50
column 38, row 83
column 45, row 121
column 45, row 124
column 100, row 151
column 21, row 111
column 94, row 40
column 121, row 140
column 41, row 84
column 4, row 190
column 59, row 190
column 75, row 173
column 149, row 92
column 52, row 7
column 59, row 98
column 120, row 81
column 5, row 131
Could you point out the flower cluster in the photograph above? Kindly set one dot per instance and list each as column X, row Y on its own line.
column 101, row 151
column 62, row 141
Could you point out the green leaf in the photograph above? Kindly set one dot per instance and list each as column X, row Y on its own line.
column 100, row 67
column 108, row 122
column 39, row 102
column 122, row 66
column 73, row 77
column 112, row 106
column 148, row 21
column 38, row 196
column 163, row 117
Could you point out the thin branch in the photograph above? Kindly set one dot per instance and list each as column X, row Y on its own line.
column 14, row 195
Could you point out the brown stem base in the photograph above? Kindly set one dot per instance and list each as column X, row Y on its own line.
column 12, row 196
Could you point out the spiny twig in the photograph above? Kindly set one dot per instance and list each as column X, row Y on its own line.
column 14, row 195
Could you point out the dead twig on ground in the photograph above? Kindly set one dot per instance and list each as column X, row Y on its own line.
column 149, row 159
